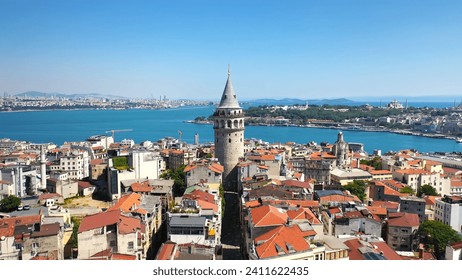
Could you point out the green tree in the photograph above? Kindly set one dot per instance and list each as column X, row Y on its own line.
column 427, row 190
column 357, row 187
column 375, row 162
column 178, row 177
column 436, row 235
column 9, row 203
column 407, row 189
column 120, row 163
column 75, row 230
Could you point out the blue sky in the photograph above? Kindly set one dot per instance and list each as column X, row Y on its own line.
column 298, row 49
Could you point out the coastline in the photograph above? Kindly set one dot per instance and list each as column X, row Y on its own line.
column 344, row 128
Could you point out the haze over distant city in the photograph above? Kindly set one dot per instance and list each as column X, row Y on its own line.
column 181, row 49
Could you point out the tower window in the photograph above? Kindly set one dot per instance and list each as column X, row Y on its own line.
column 229, row 140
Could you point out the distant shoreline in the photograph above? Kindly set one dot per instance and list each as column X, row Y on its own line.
column 343, row 128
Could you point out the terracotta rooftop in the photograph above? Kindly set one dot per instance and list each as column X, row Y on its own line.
column 303, row 214
column 412, row 171
column 267, row 215
column 166, row 251
column 47, row 230
column 295, row 183
column 212, row 166
column 294, row 202
column 97, row 161
column 378, row 210
column 403, row 219
column 366, row 251
column 7, row 225
column 141, row 187
column 281, row 241
column 99, row 220
column 125, row 224
column 321, row 155
column 109, row 255
column 84, row 185
column 380, row 172
column 456, row 245
column 127, row 203
column 49, row 195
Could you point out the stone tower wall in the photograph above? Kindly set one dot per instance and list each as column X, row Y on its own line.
column 229, row 142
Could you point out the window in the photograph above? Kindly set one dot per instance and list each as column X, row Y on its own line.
column 130, row 245
column 112, row 243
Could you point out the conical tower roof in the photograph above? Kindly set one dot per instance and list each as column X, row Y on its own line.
column 228, row 99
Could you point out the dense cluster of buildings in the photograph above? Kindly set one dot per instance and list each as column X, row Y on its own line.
column 444, row 122
column 292, row 203
column 41, row 101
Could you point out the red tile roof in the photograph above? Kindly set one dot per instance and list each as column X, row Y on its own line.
column 387, row 204
column 295, row 183
column 378, row 210
column 403, row 219
column 252, row 204
column 127, row 203
column 141, row 187
column 49, row 195
column 456, row 245
column 125, row 224
column 97, row 161
column 303, row 214
column 166, row 251
column 322, row 155
column 355, row 253
column 267, row 215
column 292, row 202
column 109, row 255
column 7, row 225
column 84, row 185
column 99, row 220
column 281, row 241
column 380, row 172
column 412, row 171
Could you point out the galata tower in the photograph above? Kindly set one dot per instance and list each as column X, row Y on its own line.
column 229, row 134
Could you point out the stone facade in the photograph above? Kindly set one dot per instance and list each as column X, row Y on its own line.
column 229, row 135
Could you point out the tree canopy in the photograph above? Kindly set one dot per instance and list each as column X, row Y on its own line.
column 358, row 188
column 178, row 177
column 9, row 203
column 407, row 189
column 436, row 235
column 376, row 162
column 427, row 190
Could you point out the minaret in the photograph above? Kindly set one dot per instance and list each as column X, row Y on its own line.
column 229, row 134
column 43, row 170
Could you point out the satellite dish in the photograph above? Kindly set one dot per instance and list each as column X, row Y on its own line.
column 2, row 238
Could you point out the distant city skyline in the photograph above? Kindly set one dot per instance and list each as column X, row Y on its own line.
column 297, row 49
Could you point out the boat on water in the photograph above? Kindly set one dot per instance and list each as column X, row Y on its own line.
column 459, row 139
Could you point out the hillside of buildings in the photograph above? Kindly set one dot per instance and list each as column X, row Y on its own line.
column 100, row 199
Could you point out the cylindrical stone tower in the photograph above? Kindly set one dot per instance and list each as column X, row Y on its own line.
column 229, row 135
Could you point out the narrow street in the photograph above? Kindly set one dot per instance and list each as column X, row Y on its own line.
column 231, row 237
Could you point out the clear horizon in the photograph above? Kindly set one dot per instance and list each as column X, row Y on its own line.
column 298, row 49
